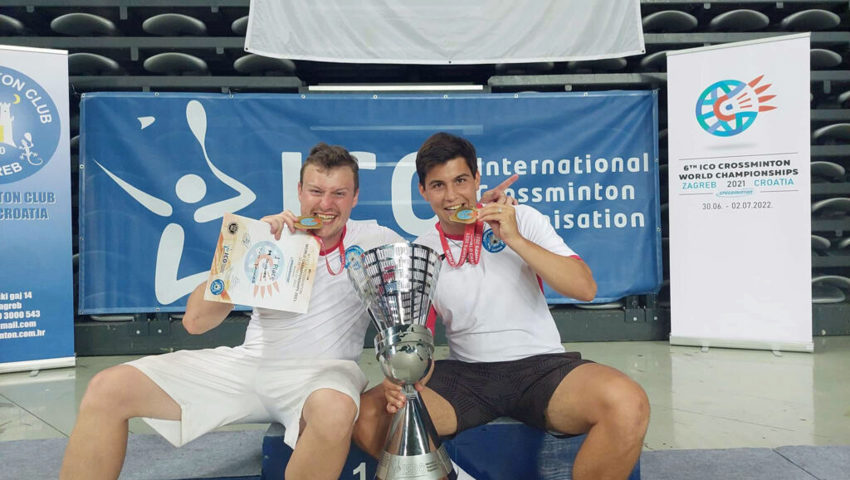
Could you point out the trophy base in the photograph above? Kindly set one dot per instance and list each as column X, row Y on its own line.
column 434, row 465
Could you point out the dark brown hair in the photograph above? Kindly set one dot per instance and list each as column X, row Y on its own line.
column 439, row 149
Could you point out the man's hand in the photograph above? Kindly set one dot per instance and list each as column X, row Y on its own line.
column 498, row 193
column 279, row 220
column 396, row 399
column 501, row 216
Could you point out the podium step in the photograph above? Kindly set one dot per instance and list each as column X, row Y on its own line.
column 503, row 449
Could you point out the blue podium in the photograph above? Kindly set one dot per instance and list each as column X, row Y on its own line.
column 503, row 449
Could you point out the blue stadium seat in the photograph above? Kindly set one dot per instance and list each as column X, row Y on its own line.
column 260, row 65
column 825, row 171
column 11, row 26
column 83, row 63
column 742, row 20
column 831, row 208
column 240, row 26
column 83, row 24
column 835, row 133
column 810, row 20
column 830, row 288
column 174, row 25
column 175, row 63
column 820, row 244
column 822, row 58
column 844, row 99
column 654, row 62
column 669, row 21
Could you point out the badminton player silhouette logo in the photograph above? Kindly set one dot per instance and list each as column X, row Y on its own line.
column 190, row 188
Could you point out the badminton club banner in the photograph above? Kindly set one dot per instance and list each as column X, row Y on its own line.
column 160, row 170
column 740, row 261
column 36, row 286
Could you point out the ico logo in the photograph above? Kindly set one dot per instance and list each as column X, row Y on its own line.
column 216, row 287
column 29, row 126
column 491, row 242
column 353, row 254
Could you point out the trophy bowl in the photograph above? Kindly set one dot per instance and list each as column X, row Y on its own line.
column 405, row 352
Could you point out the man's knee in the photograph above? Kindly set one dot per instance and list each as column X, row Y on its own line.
column 331, row 414
column 109, row 392
column 373, row 406
column 372, row 409
column 627, row 407
column 370, row 430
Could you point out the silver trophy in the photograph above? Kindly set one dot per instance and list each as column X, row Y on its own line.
column 396, row 282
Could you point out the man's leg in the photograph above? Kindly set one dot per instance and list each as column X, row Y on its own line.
column 321, row 450
column 98, row 442
column 373, row 424
column 614, row 412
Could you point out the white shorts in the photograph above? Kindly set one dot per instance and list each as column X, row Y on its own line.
column 222, row 386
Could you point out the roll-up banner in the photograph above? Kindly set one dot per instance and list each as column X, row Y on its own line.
column 36, row 284
column 160, row 171
column 740, row 253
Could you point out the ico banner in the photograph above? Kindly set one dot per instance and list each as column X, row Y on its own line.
column 740, row 261
column 160, row 171
column 36, row 287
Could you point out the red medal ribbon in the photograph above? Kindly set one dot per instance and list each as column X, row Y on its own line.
column 471, row 248
column 341, row 250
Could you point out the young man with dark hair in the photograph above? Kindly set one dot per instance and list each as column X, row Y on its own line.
column 506, row 356
column 297, row 369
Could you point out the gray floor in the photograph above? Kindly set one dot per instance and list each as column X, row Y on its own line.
column 719, row 399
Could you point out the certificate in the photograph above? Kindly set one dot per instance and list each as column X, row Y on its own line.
column 251, row 268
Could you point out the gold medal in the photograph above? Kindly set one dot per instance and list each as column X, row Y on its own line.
column 465, row 215
column 308, row 223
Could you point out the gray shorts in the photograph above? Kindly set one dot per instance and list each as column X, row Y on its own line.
column 521, row 389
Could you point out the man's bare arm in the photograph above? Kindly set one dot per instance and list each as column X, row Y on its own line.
column 566, row 275
column 203, row 315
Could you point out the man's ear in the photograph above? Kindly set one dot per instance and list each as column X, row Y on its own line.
column 356, row 197
column 422, row 191
column 299, row 189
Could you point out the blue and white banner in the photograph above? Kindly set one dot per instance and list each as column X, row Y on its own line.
column 36, row 286
column 160, row 170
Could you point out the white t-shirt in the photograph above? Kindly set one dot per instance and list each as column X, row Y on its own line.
column 495, row 311
column 335, row 322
